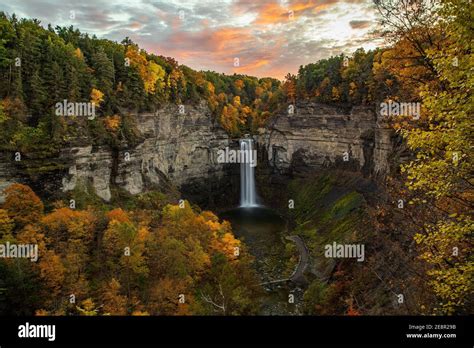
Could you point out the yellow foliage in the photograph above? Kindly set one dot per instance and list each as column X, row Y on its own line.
column 150, row 72
column 78, row 53
column 236, row 101
column 112, row 123
column 96, row 96
column 118, row 214
column 87, row 308
column 211, row 88
column 6, row 224
column 114, row 303
column 65, row 223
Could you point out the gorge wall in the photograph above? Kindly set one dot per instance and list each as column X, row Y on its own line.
column 316, row 136
column 174, row 148
column 177, row 148
column 182, row 149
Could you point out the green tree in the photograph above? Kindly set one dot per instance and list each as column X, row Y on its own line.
column 442, row 170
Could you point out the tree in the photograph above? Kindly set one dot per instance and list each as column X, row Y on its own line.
column 154, row 78
column 289, row 88
column 103, row 71
column 442, row 170
column 97, row 97
column 239, row 84
column 71, row 234
column 411, row 28
column 6, row 225
column 315, row 297
column 231, row 287
column 114, row 303
column 87, row 308
column 124, row 248
column 22, row 204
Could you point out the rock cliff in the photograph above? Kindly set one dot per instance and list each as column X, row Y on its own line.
column 317, row 136
column 174, row 148
column 177, row 148
column 181, row 149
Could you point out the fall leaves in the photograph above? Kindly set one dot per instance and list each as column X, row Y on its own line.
column 22, row 205
column 247, row 105
column 434, row 64
column 115, row 263
column 151, row 73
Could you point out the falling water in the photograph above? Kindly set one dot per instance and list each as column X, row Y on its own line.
column 247, row 176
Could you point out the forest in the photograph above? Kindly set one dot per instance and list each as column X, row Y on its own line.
column 134, row 258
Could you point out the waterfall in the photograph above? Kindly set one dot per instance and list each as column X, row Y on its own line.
column 247, row 176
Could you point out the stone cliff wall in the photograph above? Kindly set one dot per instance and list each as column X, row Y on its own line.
column 174, row 147
column 182, row 149
column 179, row 148
column 317, row 136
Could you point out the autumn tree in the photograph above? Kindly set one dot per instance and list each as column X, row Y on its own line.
column 71, row 233
column 114, row 302
column 289, row 88
column 411, row 29
column 49, row 267
column 124, row 248
column 97, row 97
column 22, row 204
column 442, row 171
column 6, row 225
column 231, row 287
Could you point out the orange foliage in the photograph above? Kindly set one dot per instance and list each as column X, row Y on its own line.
column 119, row 215
column 97, row 97
column 112, row 123
column 352, row 312
column 22, row 205
column 65, row 224
column 289, row 88
column 239, row 84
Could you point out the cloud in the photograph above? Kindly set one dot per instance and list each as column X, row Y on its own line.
column 270, row 38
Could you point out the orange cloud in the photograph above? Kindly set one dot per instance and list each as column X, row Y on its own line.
column 135, row 25
column 246, row 68
column 263, row 50
column 271, row 13
column 231, row 37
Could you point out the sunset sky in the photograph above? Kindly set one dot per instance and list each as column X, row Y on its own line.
column 270, row 38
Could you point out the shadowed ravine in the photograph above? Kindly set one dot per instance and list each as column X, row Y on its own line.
column 263, row 230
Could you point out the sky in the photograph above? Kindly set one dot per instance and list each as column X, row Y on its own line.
column 254, row 37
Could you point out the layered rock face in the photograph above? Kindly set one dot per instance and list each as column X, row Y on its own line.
column 316, row 136
column 181, row 150
column 178, row 148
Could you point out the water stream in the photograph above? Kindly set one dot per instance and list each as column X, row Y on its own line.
column 248, row 196
column 262, row 230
